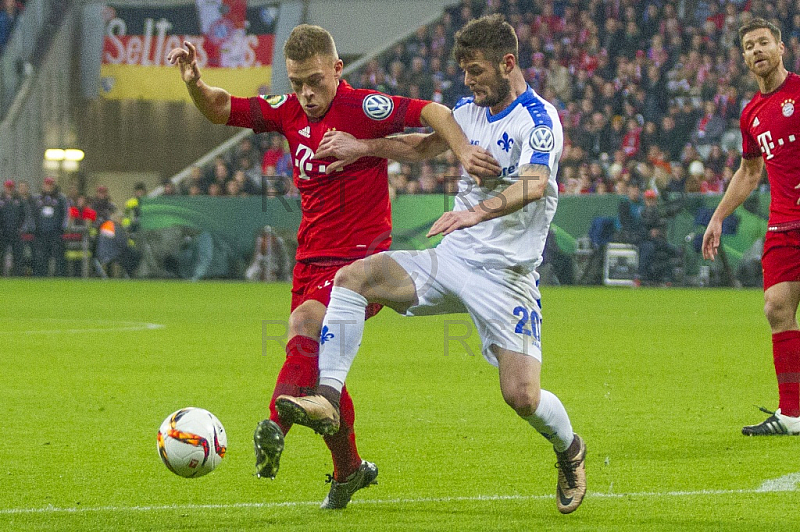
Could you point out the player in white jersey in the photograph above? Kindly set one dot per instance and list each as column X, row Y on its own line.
column 486, row 263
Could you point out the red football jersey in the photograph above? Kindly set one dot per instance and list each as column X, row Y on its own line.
column 346, row 214
column 770, row 126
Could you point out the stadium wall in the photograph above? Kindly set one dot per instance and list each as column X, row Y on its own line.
column 238, row 220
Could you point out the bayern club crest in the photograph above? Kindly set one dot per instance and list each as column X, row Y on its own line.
column 377, row 106
column 788, row 108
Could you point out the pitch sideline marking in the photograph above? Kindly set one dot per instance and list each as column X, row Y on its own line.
column 123, row 326
column 779, row 484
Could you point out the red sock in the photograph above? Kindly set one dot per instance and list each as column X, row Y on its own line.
column 786, row 354
column 298, row 376
column 343, row 444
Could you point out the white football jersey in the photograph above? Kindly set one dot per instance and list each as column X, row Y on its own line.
column 526, row 132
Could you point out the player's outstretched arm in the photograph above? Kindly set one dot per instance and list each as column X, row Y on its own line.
column 213, row 102
column 531, row 186
column 346, row 148
column 743, row 182
column 476, row 161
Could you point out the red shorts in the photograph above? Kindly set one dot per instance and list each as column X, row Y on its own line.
column 780, row 260
column 314, row 280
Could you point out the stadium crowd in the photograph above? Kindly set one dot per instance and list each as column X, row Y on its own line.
column 648, row 91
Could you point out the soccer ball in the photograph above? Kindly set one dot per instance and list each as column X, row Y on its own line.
column 191, row 442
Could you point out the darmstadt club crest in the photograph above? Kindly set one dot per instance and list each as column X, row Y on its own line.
column 788, row 108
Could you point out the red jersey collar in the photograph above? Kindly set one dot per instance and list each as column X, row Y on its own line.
column 340, row 89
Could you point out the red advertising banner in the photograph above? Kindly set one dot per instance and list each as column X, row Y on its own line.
column 234, row 43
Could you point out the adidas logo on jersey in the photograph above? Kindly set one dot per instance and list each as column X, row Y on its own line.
column 306, row 132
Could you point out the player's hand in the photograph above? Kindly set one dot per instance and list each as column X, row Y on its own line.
column 343, row 146
column 450, row 221
column 186, row 58
column 711, row 239
column 479, row 163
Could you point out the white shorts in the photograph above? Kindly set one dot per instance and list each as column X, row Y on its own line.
column 504, row 305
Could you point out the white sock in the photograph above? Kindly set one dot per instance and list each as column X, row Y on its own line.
column 342, row 330
column 552, row 422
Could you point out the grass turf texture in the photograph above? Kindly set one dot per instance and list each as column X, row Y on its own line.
column 659, row 382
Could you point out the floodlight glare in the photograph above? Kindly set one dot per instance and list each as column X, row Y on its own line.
column 54, row 154
column 73, row 155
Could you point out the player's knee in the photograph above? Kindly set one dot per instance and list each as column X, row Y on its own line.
column 351, row 276
column 303, row 322
column 777, row 311
column 523, row 400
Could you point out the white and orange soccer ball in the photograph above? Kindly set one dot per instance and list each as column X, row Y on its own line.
column 192, row 442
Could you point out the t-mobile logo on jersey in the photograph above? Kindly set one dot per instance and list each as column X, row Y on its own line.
column 765, row 141
column 768, row 144
column 303, row 160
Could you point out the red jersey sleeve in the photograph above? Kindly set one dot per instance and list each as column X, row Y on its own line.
column 409, row 111
column 750, row 147
column 261, row 114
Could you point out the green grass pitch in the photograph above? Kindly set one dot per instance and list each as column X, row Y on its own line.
column 659, row 383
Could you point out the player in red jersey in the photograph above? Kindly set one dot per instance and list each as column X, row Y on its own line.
column 770, row 126
column 346, row 215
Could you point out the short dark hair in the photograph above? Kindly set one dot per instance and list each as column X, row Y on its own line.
column 491, row 35
column 757, row 24
column 306, row 41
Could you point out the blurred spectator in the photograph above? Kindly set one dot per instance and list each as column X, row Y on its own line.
column 244, row 184
column 677, row 179
column 78, row 236
column 51, row 219
column 133, row 209
column 221, row 174
column 631, row 139
column 103, row 205
column 246, row 150
column 273, row 155
column 710, row 127
column 670, row 141
column 270, row 258
column 656, row 255
column 81, row 216
column 629, row 213
column 251, row 172
column 716, row 160
column 214, row 189
column 168, row 188
column 195, row 179
column 232, row 188
column 12, row 221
